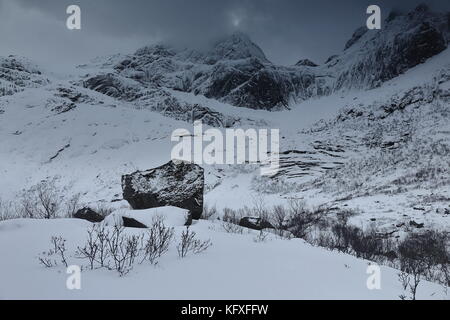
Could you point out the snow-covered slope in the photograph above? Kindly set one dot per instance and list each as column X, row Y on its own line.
column 235, row 267
column 361, row 132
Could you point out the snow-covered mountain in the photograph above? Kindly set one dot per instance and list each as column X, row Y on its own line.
column 367, row 131
column 236, row 71
column 50, row 124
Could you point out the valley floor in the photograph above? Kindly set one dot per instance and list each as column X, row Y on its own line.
column 237, row 266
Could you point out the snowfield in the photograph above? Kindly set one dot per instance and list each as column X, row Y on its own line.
column 235, row 267
column 362, row 134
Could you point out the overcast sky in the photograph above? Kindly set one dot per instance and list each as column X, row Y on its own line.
column 287, row 30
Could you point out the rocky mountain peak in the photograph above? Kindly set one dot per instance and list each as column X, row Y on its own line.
column 235, row 47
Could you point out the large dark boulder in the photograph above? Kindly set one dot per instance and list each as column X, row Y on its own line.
column 89, row 215
column 177, row 183
column 255, row 223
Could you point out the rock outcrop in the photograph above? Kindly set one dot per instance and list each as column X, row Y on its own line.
column 255, row 223
column 176, row 183
column 89, row 215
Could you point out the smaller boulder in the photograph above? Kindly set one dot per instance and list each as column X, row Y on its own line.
column 89, row 215
column 255, row 223
column 133, row 223
column 412, row 223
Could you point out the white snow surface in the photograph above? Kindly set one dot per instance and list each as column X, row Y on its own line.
column 86, row 147
column 235, row 267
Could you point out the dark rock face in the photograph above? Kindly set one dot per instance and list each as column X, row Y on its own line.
column 172, row 107
column 255, row 223
column 265, row 90
column 225, row 77
column 176, row 183
column 133, row 223
column 414, row 224
column 306, row 63
column 404, row 42
column 426, row 42
column 114, row 86
column 17, row 74
column 89, row 215
column 356, row 36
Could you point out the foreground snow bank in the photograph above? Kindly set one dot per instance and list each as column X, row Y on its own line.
column 235, row 267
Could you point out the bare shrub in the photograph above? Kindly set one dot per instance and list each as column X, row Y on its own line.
column 368, row 245
column 90, row 249
column 120, row 249
column 232, row 228
column 73, row 205
column 230, row 221
column 279, row 219
column 41, row 201
column 344, row 235
column 260, row 207
column 132, row 249
column 209, row 212
column 58, row 249
column 324, row 240
column 46, row 260
column 423, row 256
column 261, row 236
column 113, row 249
column 101, row 236
column 189, row 243
column 158, row 241
column 302, row 220
column 231, row 216
column 8, row 211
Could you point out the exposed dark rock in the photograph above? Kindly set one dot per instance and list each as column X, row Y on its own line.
column 172, row 107
column 114, row 86
column 64, row 107
column 17, row 74
column 264, row 90
column 226, row 77
column 132, row 223
column 255, row 223
column 89, row 215
column 333, row 57
column 412, row 223
column 176, row 183
column 306, row 63
column 356, row 36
